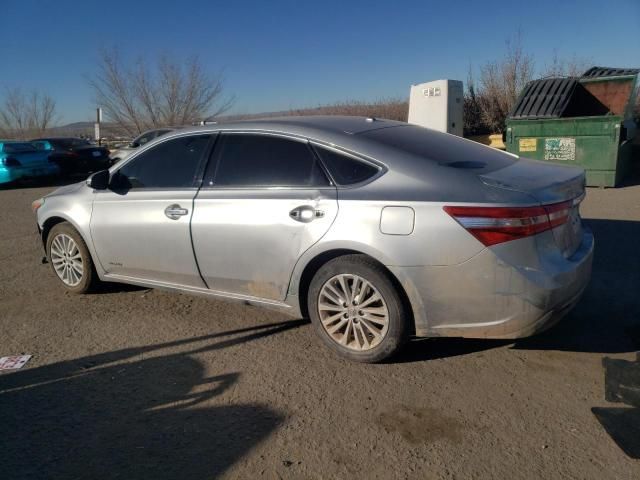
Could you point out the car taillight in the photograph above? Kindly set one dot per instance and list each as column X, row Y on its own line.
column 493, row 225
column 11, row 162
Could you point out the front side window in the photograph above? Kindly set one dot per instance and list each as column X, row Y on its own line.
column 170, row 164
column 248, row 160
column 346, row 170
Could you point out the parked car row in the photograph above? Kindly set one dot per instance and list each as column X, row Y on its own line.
column 24, row 159
column 74, row 155
column 44, row 157
column 63, row 156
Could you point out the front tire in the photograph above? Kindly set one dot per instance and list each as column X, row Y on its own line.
column 70, row 259
column 356, row 309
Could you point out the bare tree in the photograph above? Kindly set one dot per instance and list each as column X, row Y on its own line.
column 472, row 113
column 138, row 97
column 488, row 102
column 572, row 67
column 501, row 82
column 25, row 115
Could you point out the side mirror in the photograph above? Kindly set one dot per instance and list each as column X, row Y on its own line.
column 134, row 145
column 99, row 180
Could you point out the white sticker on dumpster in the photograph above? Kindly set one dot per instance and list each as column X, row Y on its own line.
column 560, row 149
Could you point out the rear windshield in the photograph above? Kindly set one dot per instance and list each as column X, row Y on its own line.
column 18, row 147
column 446, row 150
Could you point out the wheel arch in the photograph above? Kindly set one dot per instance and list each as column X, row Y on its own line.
column 57, row 218
column 312, row 267
column 48, row 224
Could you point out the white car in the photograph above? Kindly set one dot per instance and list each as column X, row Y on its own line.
column 123, row 152
column 375, row 229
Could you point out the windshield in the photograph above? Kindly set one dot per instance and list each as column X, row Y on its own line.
column 18, row 147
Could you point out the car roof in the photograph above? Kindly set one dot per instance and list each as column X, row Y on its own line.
column 320, row 124
column 53, row 139
column 159, row 129
column 410, row 174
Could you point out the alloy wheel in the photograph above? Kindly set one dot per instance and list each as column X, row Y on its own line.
column 67, row 259
column 353, row 312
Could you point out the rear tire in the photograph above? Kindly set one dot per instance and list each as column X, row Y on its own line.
column 356, row 310
column 70, row 259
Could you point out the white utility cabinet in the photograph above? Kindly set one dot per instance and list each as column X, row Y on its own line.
column 437, row 105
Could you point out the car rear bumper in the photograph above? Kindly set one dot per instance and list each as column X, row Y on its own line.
column 487, row 297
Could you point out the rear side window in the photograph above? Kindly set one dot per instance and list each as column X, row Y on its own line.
column 346, row 170
column 247, row 160
column 170, row 164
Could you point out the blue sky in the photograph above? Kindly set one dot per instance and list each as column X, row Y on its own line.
column 285, row 54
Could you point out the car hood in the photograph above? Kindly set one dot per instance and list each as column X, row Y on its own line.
column 74, row 187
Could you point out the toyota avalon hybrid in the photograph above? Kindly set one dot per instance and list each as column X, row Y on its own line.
column 377, row 230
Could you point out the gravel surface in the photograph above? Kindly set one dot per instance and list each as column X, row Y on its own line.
column 133, row 383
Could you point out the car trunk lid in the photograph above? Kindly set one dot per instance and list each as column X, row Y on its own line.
column 549, row 185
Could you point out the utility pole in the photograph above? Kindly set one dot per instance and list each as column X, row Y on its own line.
column 97, row 126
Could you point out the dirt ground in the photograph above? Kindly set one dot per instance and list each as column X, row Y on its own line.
column 132, row 383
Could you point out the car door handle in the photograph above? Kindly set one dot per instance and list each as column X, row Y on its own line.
column 305, row 214
column 175, row 211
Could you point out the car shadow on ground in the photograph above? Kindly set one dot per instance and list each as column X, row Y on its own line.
column 606, row 321
column 622, row 386
column 424, row 349
column 607, row 318
column 132, row 413
column 104, row 288
column 633, row 175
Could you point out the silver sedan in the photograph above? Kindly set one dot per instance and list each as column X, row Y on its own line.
column 377, row 230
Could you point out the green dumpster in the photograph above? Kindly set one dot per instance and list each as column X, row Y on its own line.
column 590, row 121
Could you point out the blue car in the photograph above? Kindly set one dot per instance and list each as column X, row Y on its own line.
column 24, row 160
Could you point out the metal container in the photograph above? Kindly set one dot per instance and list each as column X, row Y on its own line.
column 589, row 121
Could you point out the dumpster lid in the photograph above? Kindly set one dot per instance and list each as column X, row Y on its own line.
column 597, row 72
column 545, row 98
